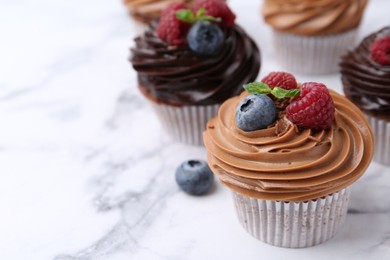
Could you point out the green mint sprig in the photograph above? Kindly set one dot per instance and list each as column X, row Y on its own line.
column 187, row 16
column 262, row 88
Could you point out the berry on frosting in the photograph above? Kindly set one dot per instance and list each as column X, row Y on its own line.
column 314, row 108
column 170, row 29
column 205, row 38
column 308, row 106
column 255, row 112
column 380, row 50
column 217, row 8
column 280, row 79
column 176, row 20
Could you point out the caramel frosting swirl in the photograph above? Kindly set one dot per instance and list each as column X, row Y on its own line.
column 147, row 10
column 310, row 18
column 366, row 82
column 175, row 75
column 285, row 163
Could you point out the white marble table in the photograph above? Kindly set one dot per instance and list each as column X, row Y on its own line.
column 86, row 171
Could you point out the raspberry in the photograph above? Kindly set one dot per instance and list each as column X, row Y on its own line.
column 314, row 108
column 380, row 50
column 280, row 79
column 170, row 29
column 216, row 8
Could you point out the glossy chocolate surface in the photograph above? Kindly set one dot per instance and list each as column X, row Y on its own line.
column 175, row 75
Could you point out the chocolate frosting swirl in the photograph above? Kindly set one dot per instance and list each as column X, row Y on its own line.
column 310, row 18
column 366, row 82
column 285, row 163
column 175, row 75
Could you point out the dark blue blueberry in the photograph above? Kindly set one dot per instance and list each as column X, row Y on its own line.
column 205, row 38
column 255, row 112
column 194, row 177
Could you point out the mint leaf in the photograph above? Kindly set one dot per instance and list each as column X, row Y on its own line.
column 186, row 15
column 257, row 88
column 200, row 12
column 262, row 88
column 209, row 18
column 202, row 16
column 283, row 93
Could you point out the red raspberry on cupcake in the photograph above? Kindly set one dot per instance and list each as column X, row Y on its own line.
column 170, row 29
column 216, row 8
column 314, row 108
column 380, row 50
column 280, row 79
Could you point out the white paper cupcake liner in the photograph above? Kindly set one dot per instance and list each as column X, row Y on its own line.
column 187, row 123
column 312, row 54
column 381, row 130
column 292, row 224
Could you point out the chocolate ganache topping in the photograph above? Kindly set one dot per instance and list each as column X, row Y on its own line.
column 177, row 76
column 284, row 162
column 366, row 82
column 308, row 17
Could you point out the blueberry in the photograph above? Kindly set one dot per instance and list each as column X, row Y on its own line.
column 205, row 38
column 255, row 112
column 194, row 177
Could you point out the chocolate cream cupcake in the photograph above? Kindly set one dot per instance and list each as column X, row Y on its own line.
column 309, row 36
column 184, row 85
column 289, row 171
column 366, row 79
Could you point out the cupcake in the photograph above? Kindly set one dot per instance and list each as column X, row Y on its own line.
column 289, row 158
column 309, row 36
column 365, row 74
column 187, row 68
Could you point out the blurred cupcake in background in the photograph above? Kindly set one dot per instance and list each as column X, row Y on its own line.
column 365, row 74
column 190, row 62
column 309, row 36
